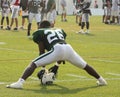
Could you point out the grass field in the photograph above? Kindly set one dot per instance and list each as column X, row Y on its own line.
column 101, row 49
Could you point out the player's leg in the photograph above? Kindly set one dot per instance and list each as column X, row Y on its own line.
column 38, row 19
column 64, row 14
column 7, row 17
column 7, row 20
column 87, row 23
column 12, row 21
column 82, row 24
column 2, row 20
column 52, row 18
column 13, row 15
column 16, row 18
column 91, row 71
column 16, row 23
column 30, row 18
column 29, row 28
column 42, row 60
column 78, row 61
column 28, row 71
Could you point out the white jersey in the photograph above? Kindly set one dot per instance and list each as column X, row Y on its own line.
column 5, row 4
column 34, row 6
column 115, row 4
column 63, row 2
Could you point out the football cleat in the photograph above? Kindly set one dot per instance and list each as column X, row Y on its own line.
column 87, row 32
column 15, row 29
column 22, row 27
column 101, row 82
column 16, row 85
column 81, row 31
column 8, row 28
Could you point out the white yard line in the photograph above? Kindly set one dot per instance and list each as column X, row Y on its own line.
column 78, row 76
column 34, row 79
column 114, row 74
column 1, row 43
column 108, row 61
column 83, row 79
column 9, row 49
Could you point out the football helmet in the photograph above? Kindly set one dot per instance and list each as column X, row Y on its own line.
column 48, row 78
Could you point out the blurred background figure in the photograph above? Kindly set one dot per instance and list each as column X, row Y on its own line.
column 107, row 4
column 33, row 9
column 24, row 10
column 15, row 5
column 115, row 11
column 51, row 12
column 78, row 7
column 95, row 4
column 86, row 12
column 5, row 6
column 64, row 13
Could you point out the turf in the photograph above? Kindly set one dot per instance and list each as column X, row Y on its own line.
column 101, row 49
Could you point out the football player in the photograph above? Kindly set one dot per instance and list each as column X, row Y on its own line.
column 53, row 40
column 15, row 5
column 51, row 12
column 5, row 5
column 85, row 15
column 63, row 15
column 115, row 11
column 23, row 5
column 33, row 10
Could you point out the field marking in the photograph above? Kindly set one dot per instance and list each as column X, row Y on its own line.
column 114, row 74
column 83, row 79
column 78, row 76
column 1, row 43
column 8, row 49
column 108, row 61
column 34, row 79
column 2, row 83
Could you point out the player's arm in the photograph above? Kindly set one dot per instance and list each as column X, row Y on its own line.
column 87, row 6
column 29, row 4
column 53, row 6
column 42, row 4
column 41, row 48
column 1, row 4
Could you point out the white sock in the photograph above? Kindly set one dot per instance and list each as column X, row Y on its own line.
column 57, row 64
column 21, row 80
column 101, row 79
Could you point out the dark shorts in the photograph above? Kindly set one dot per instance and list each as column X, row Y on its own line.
column 24, row 16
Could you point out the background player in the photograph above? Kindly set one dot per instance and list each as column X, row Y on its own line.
column 85, row 15
column 15, row 5
column 5, row 5
column 33, row 9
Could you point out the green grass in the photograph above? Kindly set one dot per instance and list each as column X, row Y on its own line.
column 101, row 49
